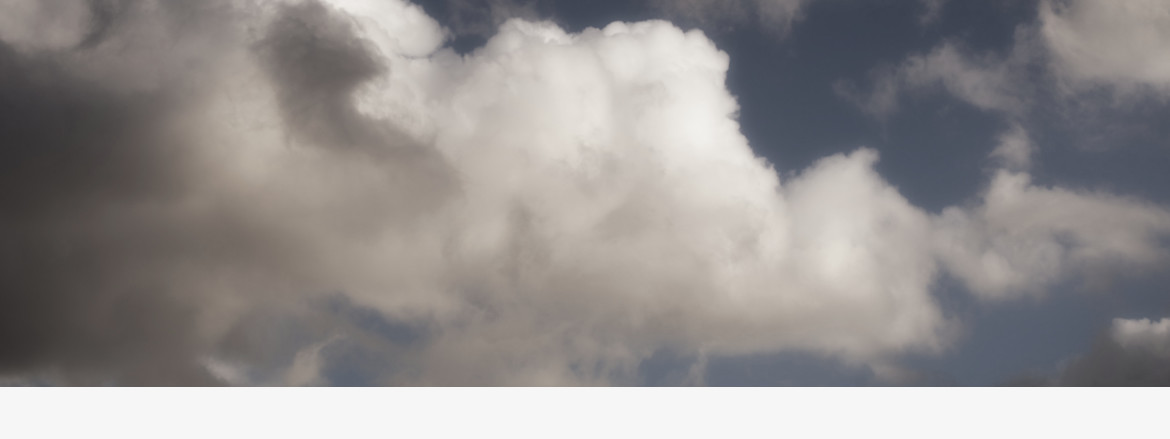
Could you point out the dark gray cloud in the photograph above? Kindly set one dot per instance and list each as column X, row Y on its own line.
column 1111, row 364
column 1114, row 360
column 99, row 237
column 75, row 288
column 316, row 61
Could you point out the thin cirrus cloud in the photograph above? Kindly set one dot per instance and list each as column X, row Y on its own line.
column 552, row 208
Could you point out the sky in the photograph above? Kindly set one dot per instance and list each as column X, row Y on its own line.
column 566, row 192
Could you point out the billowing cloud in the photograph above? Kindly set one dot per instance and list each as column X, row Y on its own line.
column 553, row 207
column 636, row 216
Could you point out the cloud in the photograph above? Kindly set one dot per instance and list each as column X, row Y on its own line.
column 1008, row 245
column 395, row 27
column 191, row 194
column 1079, row 46
column 1130, row 353
column 1015, row 149
column 1081, row 73
column 1144, row 335
column 1023, row 238
column 638, row 192
column 931, row 11
column 139, row 222
column 776, row 16
column 483, row 17
column 987, row 82
column 1119, row 45
column 48, row 25
column 81, row 176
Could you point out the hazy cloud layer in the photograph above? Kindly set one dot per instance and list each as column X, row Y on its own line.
column 552, row 208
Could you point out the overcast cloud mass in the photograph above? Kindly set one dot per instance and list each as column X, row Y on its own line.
column 330, row 192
